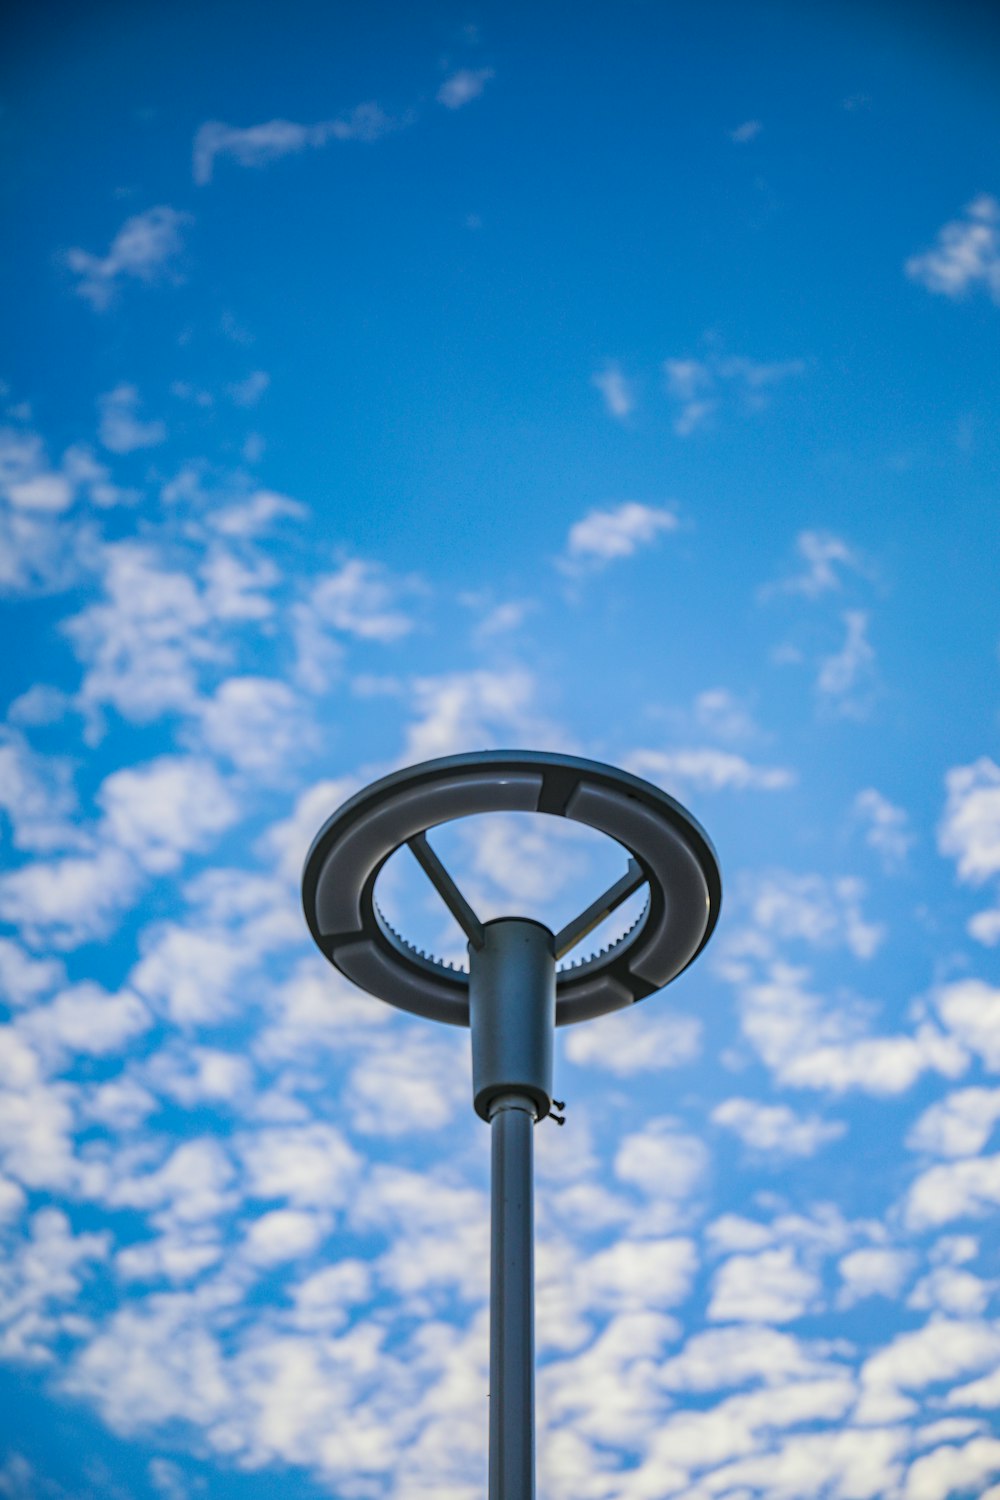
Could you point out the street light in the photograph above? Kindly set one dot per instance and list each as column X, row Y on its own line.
column 513, row 995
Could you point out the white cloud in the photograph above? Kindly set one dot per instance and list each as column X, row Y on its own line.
column 144, row 249
column 200, row 1075
column 960, row 1124
column 36, row 794
column 709, row 770
column 83, row 470
column 193, row 1185
column 248, row 518
column 771, row 1287
column 954, row 1190
column 619, row 397
column 700, row 388
column 887, row 828
column 464, row 86
column 324, row 1300
column 937, row 1354
column 144, row 640
column 49, row 492
column 951, row 1470
column 634, row 1275
column 191, row 975
column 362, row 600
column 724, row 1358
column 258, row 145
column 970, row 1009
column 807, row 1042
column 36, row 1119
column 257, row 723
column 826, row 558
column 844, row 681
column 948, row 1290
column 248, row 392
column 811, row 1046
column 969, row 832
column 501, row 618
column 605, row 536
column 818, row 910
column 236, row 590
column 966, row 256
column 721, row 713
column 41, row 553
column 197, row 969
column 308, row 1166
column 68, row 901
column 17, row 1477
column 24, row 980
column 409, row 1083
column 874, row 1271
column 663, row 1162
column 633, row 1042
column 86, row 1019
column 748, row 131
column 39, row 1285
column 476, row 710
column 281, row 1235
column 774, row 1129
column 690, row 384
column 29, row 483
column 167, row 1478
column 121, row 429
column 170, row 807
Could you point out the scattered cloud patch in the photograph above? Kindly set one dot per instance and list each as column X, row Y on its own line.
column 845, row 681
column 165, row 809
column 966, row 255
column 249, row 391
column 258, row 514
column 969, row 832
column 970, row 1009
column 464, row 86
column 970, row 827
column 886, row 828
column 719, row 712
column 617, row 391
column 827, row 558
column 146, row 248
column 709, row 770
column 483, row 709
column 745, row 133
column 259, row 145
column 121, row 430
column 360, row 600
column 873, row 1272
column 958, row 1125
column 626, row 1044
column 772, row 1287
column 774, row 1130
column 701, row 388
column 605, row 536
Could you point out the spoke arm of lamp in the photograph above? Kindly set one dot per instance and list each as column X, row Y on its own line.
column 447, row 889
column 574, row 932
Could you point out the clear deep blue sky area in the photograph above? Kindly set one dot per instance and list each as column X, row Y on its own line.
column 383, row 381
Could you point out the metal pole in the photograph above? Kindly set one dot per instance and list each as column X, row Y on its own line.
column 512, row 1301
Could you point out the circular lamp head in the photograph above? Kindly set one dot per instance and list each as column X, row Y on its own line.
column 671, row 854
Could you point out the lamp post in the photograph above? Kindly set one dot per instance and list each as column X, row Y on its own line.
column 512, row 996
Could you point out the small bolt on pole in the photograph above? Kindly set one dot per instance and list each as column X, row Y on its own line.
column 512, row 997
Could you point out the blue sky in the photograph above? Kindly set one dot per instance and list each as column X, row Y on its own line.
column 382, row 382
